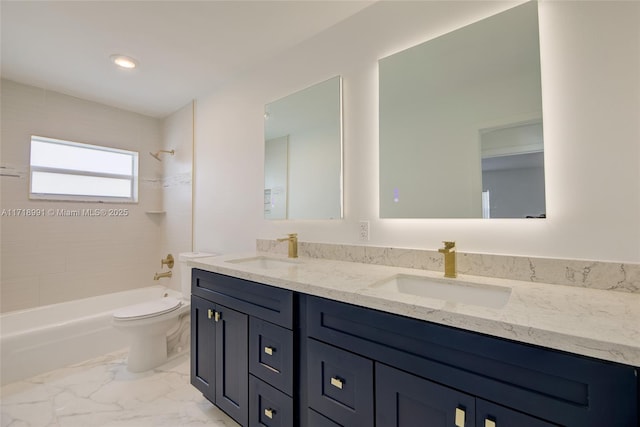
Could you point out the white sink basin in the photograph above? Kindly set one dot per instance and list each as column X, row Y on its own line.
column 447, row 290
column 265, row 263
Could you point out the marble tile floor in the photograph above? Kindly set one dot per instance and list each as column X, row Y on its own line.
column 102, row 393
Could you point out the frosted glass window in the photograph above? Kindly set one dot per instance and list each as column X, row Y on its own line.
column 60, row 156
column 64, row 170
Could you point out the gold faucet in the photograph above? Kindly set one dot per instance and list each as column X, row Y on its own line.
column 168, row 261
column 159, row 276
column 449, row 252
column 293, row 244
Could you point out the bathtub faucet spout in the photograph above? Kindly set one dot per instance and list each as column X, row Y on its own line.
column 159, row 276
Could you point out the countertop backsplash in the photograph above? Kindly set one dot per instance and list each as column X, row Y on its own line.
column 623, row 277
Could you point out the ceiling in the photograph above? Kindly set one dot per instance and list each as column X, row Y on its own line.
column 185, row 48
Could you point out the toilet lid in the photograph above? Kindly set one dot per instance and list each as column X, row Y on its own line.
column 148, row 309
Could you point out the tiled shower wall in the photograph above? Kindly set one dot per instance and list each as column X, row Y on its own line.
column 177, row 131
column 53, row 258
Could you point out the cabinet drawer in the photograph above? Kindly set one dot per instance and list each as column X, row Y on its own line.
column 271, row 354
column 268, row 406
column 340, row 384
column 256, row 299
column 316, row 420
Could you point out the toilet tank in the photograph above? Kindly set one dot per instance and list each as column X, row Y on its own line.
column 185, row 270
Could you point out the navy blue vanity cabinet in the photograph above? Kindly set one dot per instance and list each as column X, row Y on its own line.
column 314, row 419
column 405, row 400
column 271, row 364
column 220, row 356
column 269, row 407
column 271, row 354
column 232, row 376
column 430, row 374
column 489, row 414
column 270, row 357
column 242, row 356
column 340, row 384
column 203, row 339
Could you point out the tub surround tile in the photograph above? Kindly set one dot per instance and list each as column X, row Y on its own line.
column 51, row 245
column 590, row 322
column 102, row 392
column 16, row 294
column 624, row 277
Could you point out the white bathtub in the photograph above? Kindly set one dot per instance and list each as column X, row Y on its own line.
column 44, row 338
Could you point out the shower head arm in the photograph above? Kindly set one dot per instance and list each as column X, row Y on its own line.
column 156, row 155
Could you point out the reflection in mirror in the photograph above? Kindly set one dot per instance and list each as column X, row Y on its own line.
column 513, row 171
column 461, row 123
column 303, row 154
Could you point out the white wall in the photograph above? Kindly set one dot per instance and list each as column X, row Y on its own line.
column 590, row 55
column 50, row 259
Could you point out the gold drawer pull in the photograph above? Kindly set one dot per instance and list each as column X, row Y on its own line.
column 217, row 316
column 210, row 313
column 337, row 382
column 269, row 350
column 269, row 413
column 489, row 423
column 460, row 415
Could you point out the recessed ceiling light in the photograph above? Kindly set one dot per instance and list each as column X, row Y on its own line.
column 124, row 61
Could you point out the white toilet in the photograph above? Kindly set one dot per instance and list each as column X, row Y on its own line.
column 149, row 323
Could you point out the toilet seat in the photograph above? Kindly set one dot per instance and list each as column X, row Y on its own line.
column 148, row 309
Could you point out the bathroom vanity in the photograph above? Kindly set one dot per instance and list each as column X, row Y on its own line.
column 242, row 346
column 321, row 343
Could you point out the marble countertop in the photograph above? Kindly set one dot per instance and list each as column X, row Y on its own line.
column 591, row 322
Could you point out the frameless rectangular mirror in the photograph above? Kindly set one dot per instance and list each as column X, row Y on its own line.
column 461, row 123
column 303, row 154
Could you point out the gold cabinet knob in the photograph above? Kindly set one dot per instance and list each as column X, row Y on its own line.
column 217, row 316
column 210, row 313
column 460, row 416
column 337, row 382
column 489, row 423
column 269, row 413
column 269, row 350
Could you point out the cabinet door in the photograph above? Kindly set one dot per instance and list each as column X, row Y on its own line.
column 203, row 338
column 232, row 363
column 405, row 400
column 317, row 420
column 492, row 415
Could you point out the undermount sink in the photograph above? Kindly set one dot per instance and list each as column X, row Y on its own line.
column 447, row 290
column 265, row 263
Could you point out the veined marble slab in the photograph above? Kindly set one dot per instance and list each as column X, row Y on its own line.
column 590, row 322
column 623, row 277
column 101, row 392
